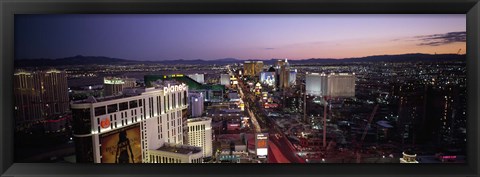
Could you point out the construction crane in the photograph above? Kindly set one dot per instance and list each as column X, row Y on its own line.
column 326, row 98
column 359, row 145
column 368, row 125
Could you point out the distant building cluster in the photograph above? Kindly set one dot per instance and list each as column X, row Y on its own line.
column 115, row 85
column 280, row 75
column 39, row 96
column 251, row 112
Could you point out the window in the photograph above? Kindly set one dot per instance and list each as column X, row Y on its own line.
column 184, row 97
column 158, row 105
column 140, row 102
column 180, row 98
column 123, row 106
column 173, row 100
column 133, row 104
column 149, row 108
column 100, row 111
column 112, row 108
column 164, row 104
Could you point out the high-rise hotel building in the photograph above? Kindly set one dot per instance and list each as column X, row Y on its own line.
column 200, row 134
column 225, row 79
column 143, row 125
column 316, row 84
column 341, row 85
column 333, row 84
column 252, row 68
column 40, row 95
column 196, row 104
column 283, row 73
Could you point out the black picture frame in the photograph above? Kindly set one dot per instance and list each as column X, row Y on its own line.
column 8, row 8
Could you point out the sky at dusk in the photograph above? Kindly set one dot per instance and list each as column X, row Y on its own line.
column 175, row 36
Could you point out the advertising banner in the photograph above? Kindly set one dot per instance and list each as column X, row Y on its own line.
column 122, row 145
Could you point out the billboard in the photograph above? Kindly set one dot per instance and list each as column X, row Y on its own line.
column 122, row 145
column 267, row 78
column 261, row 144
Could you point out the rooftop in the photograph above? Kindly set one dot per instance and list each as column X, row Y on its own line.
column 130, row 92
column 180, row 149
column 92, row 99
column 199, row 119
column 192, row 84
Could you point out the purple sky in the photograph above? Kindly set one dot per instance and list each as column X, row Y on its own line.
column 166, row 37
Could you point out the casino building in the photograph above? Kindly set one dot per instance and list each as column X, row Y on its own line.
column 316, row 84
column 142, row 125
column 252, row 68
column 333, row 84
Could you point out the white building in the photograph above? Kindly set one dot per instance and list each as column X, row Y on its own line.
column 176, row 153
column 292, row 79
column 129, row 128
column 333, row 84
column 316, row 84
column 200, row 134
column 200, row 78
column 196, row 104
column 341, row 85
column 225, row 79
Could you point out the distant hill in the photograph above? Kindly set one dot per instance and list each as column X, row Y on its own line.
column 75, row 60
column 417, row 57
column 100, row 60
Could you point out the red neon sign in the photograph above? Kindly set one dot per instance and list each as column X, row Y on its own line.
column 105, row 123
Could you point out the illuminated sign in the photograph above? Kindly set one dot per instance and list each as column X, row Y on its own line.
column 449, row 157
column 113, row 81
column 261, row 143
column 105, row 122
column 121, row 146
column 174, row 88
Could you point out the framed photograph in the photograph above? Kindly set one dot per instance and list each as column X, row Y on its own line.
column 251, row 88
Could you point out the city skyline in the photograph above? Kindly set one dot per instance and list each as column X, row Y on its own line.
column 170, row 37
column 398, row 97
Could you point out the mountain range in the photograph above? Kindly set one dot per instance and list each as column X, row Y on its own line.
column 100, row 60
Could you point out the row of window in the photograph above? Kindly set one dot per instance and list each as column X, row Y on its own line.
column 123, row 118
column 160, row 159
column 196, row 128
column 102, row 110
